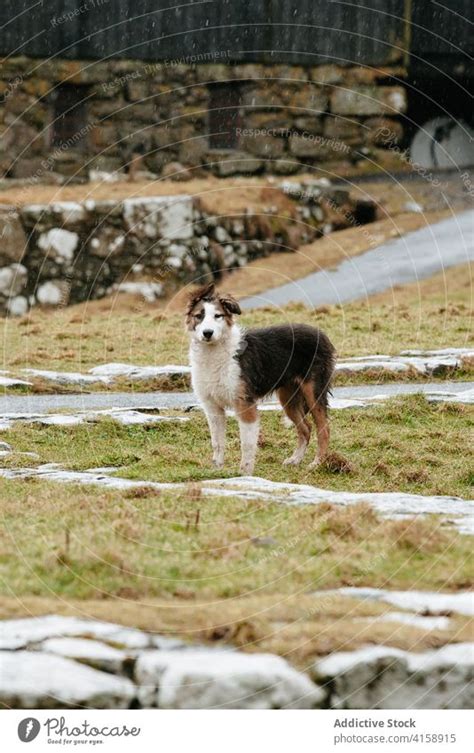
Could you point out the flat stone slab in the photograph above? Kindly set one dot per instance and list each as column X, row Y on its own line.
column 379, row 677
column 69, row 662
column 428, row 363
column 420, row 602
column 121, row 415
column 33, row 680
column 130, row 371
column 388, row 504
column 222, row 679
column 11, row 382
column 28, row 631
column 65, row 377
column 94, row 653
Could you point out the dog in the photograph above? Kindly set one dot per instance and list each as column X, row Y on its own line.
column 235, row 368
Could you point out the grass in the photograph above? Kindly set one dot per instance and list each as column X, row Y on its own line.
column 221, row 570
column 435, row 313
column 406, row 444
column 229, row 570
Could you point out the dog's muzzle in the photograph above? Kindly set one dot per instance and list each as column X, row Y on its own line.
column 207, row 334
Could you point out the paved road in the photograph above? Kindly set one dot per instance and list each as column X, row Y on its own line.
column 417, row 255
column 183, row 400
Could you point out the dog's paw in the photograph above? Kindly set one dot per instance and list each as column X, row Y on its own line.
column 314, row 464
column 218, row 462
column 246, row 470
column 292, row 460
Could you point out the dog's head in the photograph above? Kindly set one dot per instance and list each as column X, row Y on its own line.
column 210, row 315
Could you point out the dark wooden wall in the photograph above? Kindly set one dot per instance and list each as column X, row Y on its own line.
column 291, row 31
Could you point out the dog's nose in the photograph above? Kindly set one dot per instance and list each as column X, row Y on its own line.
column 207, row 333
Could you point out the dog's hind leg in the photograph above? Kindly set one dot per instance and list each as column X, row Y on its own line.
column 216, row 419
column 293, row 404
column 320, row 416
column 247, row 415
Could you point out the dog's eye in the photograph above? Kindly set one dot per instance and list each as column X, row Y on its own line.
column 199, row 316
column 218, row 316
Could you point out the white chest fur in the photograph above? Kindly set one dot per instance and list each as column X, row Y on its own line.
column 215, row 372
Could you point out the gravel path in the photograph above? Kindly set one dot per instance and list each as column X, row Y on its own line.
column 417, row 255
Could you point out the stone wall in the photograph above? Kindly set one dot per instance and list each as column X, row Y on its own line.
column 66, row 662
column 68, row 252
column 289, row 118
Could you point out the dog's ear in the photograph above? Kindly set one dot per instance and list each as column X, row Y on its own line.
column 229, row 304
column 204, row 293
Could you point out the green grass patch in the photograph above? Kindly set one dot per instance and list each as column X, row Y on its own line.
column 406, row 444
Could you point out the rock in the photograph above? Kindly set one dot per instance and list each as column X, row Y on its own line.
column 227, row 162
column 107, row 242
column 169, row 217
column 97, row 655
column 422, row 602
column 150, row 291
column 328, row 74
column 12, row 235
column 263, row 98
column 212, row 678
column 286, row 166
column 309, row 145
column 309, row 97
column 59, row 244
column 381, row 677
column 345, row 129
column 12, row 280
column 137, row 90
column 193, row 151
column 17, row 306
column 262, row 145
column 11, row 382
column 52, row 293
column 310, row 123
column 369, row 100
column 32, row 680
column 175, row 171
column 32, row 630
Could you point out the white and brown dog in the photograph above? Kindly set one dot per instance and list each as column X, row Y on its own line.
column 234, row 368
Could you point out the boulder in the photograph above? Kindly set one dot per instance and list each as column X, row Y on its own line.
column 213, row 678
column 31, row 680
column 380, row 677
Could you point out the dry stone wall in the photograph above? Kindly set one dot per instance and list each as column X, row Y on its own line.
column 286, row 118
column 68, row 252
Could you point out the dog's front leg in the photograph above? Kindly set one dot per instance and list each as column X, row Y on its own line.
column 216, row 419
column 247, row 415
